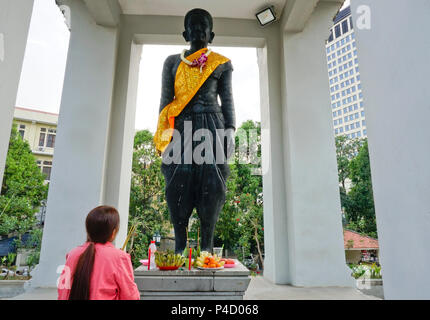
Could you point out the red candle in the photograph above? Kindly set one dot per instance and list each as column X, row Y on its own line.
column 189, row 263
column 149, row 257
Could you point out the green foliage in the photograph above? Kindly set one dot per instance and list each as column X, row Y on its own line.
column 375, row 271
column 359, row 208
column 361, row 270
column 34, row 243
column 23, row 188
column 346, row 149
column 148, row 208
column 240, row 225
column 358, row 270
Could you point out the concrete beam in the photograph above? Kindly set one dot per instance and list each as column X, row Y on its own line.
column 297, row 12
column 105, row 13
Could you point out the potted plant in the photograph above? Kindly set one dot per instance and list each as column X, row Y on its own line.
column 11, row 284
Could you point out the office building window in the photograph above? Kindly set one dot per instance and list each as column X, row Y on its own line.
column 345, row 26
column 341, row 129
column 336, row 131
column 337, row 31
column 339, row 112
column 359, row 134
column 330, row 38
column 364, row 132
column 353, row 135
column 340, row 121
column 357, row 124
column 355, row 106
column 361, row 104
column 363, row 123
column 356, row 115
column 347, row 127
column 335, row 122
column 362, row 113
column 351, row 126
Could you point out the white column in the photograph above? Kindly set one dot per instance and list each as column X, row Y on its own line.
column 120, row 153
column 315, row 238
column 15, row 17
column 275, row 218
column 77, row 180
column 393, row 52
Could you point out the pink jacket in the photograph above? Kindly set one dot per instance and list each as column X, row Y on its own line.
column 112, row 276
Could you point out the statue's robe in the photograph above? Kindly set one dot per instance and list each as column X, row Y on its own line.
column 189, row 95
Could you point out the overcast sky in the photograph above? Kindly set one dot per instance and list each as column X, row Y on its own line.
column 45, row 59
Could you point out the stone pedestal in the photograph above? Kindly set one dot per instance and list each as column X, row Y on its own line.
column 225, row 284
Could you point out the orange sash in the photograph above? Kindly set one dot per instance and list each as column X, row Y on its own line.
column 188, row 81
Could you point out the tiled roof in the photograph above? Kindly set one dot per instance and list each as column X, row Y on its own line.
column 354, row 240
column 37, row 111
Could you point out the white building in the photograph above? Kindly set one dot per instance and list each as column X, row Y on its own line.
column 303, row 232
column 344, row 78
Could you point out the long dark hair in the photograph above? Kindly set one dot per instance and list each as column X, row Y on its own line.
column 100, row 224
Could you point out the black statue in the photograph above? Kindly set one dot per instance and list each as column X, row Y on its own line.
column 199, row 185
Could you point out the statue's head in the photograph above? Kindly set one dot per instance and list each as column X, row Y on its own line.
column 198, row 25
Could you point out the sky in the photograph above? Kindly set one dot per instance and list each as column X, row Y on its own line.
column 45, row 61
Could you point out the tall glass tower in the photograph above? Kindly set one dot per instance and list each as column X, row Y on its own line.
column 344, row 78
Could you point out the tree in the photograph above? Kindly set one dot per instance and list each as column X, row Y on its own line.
column 148, row 208
column 346, row 149
column 23, row 188
column 240, row 225
column 360, row 209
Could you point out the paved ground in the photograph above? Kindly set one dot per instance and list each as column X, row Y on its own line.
column 262, row 289
column 259, row 289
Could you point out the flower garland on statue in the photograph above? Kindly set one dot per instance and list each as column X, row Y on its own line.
column 199, row 62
